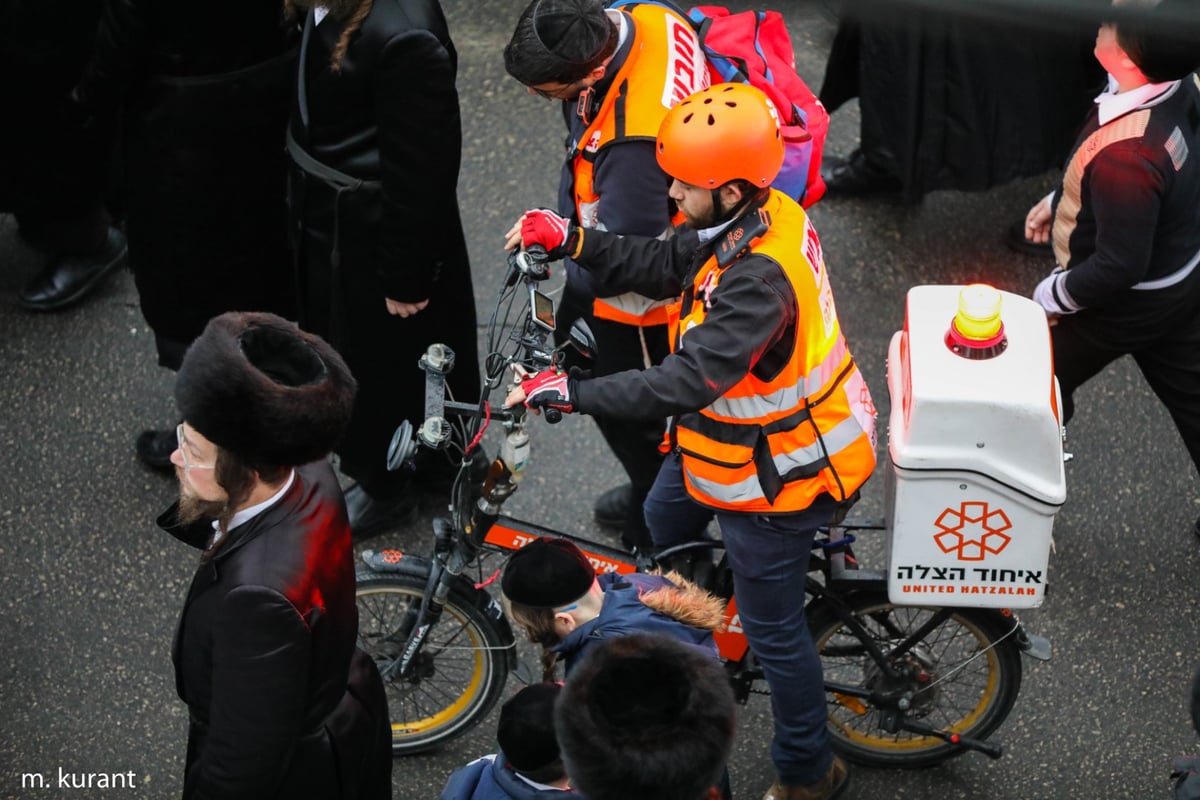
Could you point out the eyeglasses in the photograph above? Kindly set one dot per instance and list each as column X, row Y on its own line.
column 183, row 451
column 564, row 91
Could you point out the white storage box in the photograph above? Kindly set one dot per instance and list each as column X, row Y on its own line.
column 975, row 473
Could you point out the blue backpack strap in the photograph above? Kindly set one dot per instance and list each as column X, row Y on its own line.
column 759, row 16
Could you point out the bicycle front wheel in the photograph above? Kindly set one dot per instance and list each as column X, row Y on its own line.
column 963, row 676
column 453, row 681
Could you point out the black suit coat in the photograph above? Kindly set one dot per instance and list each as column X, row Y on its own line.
column 390, row 116
column 263, row 657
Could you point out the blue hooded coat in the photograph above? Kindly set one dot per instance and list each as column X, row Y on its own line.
column 490, row 778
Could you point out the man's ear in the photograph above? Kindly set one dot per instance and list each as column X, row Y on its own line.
column 598, row 73
column 731, row 194
column 564, row 623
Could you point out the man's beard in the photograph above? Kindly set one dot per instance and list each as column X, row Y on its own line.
column 193, row 508
column 699, row 223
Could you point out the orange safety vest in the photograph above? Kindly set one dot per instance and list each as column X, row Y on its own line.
column 665, row 64
column 773, row 446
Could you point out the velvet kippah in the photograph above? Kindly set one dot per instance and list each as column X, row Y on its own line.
column 526, row 730
column 547, row 573
column 575, row 31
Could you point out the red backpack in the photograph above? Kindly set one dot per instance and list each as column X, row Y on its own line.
column 754, row 47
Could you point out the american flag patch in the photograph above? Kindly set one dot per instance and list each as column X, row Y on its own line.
column 1177, row 148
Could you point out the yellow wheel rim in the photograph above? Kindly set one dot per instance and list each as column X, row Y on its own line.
column 464, row 699
column 856, row 736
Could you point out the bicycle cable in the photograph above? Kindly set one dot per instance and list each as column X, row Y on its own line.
column 964, row 664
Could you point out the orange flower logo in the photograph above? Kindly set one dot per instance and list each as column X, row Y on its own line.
column 972, row 531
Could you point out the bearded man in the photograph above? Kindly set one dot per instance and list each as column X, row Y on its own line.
column 281, row 702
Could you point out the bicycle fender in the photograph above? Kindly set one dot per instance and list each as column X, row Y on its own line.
column 394, row 561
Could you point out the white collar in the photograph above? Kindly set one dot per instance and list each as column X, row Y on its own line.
column 319, row 13
column 545, row 787
column 708, row 234
column 246, row 514
column 1112, row 105
column 622, row 28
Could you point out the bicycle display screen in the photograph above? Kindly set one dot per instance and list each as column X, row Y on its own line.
column 543, row 309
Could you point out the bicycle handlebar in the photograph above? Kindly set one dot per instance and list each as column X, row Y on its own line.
column 524, row 342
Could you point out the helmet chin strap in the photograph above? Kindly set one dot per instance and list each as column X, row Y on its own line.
column 721, row 217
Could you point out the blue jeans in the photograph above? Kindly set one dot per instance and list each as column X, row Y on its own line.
column 768, row 555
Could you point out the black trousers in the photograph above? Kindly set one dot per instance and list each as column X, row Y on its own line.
column 634, row 442
column 1163, row 340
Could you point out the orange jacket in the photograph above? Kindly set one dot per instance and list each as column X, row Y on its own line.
column 665, row 64
column 773, row 446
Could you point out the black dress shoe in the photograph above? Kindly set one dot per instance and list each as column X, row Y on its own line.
column 66, row 280
column 612, row 508
column 856, row 176
column 154, row 448
column 370, row 516
column 1015, row 238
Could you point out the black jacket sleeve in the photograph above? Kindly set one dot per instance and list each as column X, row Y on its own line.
column 655, row 268
column 260, row 674
column 420, row 146
column 752, row 310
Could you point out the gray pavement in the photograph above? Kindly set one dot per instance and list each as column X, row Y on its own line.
column 90, row 590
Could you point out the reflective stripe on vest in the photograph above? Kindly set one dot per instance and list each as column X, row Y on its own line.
column 665, row 64
column 773, row 446
column 788, row 397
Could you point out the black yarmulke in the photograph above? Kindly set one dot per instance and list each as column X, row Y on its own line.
column 573, row 30
column 526, row 730
column 547, row 573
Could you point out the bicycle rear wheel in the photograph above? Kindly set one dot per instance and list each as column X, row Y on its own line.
column 964, row 677
column 456, row 678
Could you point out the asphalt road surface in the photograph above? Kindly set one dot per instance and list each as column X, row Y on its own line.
column 90, row 589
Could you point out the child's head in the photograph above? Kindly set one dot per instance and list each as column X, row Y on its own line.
column 542, row 580
column 526, row 733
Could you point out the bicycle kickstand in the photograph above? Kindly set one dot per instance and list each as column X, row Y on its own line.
column 897, row 723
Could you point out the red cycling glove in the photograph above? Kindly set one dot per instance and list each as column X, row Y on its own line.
column 543, row 227
column 548, row 389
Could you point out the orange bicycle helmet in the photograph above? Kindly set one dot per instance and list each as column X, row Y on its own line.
column 719, row 134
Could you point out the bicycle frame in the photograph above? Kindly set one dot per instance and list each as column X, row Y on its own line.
column 831, row 586
column 507, row 533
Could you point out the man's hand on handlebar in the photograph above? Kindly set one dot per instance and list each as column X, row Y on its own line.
column 547, row 389
column 540, row 226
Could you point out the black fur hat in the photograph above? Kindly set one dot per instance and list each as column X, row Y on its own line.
column 256, row 385
column 547, row 573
